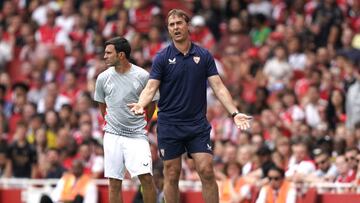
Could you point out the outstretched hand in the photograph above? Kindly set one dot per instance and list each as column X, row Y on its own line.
column 242, row 121
column 136, row 108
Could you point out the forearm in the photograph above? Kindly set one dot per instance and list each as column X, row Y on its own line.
column 148, row 93
column 226, row 100
column 222, row 93
column 146, row 97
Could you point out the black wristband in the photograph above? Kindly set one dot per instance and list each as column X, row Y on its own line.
column 234, row 114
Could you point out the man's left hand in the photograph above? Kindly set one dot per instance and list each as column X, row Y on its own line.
column 242, row 121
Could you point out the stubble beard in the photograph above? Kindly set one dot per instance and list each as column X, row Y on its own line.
column 180, row 40
column 114, row 63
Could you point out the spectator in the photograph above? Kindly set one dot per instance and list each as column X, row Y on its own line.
column 28, row 112
column 65, row 114
column 260, row 104
column 40, row 145
column 244, row 155
column 235, row 8
column 212, row 13
column 313, row 107
column 297, row 58
column 39, row 15
column 233, row 187
column 303, row 31
column 201, row 34
column 278, row 70
column 293, row 111
column 260, row 31
column 66, row 19
column 262, row 163
column 350, row 157
column 21, row 155
column 327, row 30
column 86, row 155
column 229, row 153
column 282, row 153
column 36, row 83
column 278, row 189
column 119, row 27
column 74, row 186
column 236, row 35
column 335, row 109
column 300, row 163
column 231, row 60
column 53, row 100
column 82, row 35
column 51, row 34
column 76, row 62
column 51, row 125
column 70, row 87
column 257, row 140
column 35, row 122
column 15, row 109
column 154, row 44
column 141, row 16
column 55, row 168
column 326, row 170
column 345, row 173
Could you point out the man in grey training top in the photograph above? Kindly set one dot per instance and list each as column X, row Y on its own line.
column 125, row 140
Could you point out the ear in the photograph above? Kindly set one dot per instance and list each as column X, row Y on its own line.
column 120, row 54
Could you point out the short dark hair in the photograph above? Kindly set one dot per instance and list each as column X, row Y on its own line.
column 180, row 13
column 20, row 85
column 67, row 107
column 263, row 151
column 121, row 45
column 278, row 169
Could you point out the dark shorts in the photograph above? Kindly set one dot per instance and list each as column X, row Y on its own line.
column 174, row 140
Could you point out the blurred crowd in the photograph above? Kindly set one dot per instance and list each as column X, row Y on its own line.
column 292, row 64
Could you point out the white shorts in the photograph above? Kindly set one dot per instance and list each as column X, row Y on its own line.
column 122, row 152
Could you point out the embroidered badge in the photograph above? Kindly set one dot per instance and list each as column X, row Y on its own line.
column 172, row 61
column 196, row 59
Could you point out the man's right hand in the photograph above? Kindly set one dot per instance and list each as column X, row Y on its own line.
column 136, row 108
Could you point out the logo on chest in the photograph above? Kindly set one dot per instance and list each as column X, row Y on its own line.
column 136, row 85
column 196, row 59
column 172, row 61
